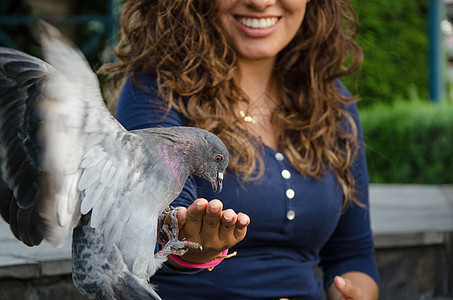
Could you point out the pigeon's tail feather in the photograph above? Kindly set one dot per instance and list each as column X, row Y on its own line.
column 131, row 287
column 99, row 272
column 126, row 287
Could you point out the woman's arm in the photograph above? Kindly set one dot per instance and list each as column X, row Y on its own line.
column 350, row 250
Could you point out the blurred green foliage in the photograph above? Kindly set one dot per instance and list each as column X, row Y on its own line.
column 394, row 37
column 409, row 142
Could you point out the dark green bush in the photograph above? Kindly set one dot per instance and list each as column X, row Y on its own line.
column 394, row 38
column 409, row 142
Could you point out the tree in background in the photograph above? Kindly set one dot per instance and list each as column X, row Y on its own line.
column 394, row 37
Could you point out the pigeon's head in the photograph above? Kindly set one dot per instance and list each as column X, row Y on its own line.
column 212, row 159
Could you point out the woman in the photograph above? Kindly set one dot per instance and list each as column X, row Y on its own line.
column 263, row 76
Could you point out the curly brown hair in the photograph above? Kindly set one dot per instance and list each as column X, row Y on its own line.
column 182, row 43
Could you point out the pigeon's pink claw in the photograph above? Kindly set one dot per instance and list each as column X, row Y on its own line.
column 174, row 245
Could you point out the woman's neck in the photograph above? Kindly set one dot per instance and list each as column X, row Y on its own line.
column 256, row 77
column 257, row 83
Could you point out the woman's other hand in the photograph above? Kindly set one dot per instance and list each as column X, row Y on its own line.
column 347, row 289
column 353, row 286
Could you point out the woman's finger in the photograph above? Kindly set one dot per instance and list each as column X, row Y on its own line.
column 241, row 226
column 347, row 289
column 194, row 218
column 211, row 222
column 227, row 226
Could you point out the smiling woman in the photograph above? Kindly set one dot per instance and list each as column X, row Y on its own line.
column 264, row 76
column 261, row 29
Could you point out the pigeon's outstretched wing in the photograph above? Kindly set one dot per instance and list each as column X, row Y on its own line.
column 63, row 156
column 50, row 114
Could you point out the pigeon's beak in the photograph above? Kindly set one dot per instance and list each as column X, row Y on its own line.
column 219, row 182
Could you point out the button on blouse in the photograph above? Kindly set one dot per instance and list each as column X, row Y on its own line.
column 290, row 193
column 286, row 174
column 291, row 214
column 279, row 156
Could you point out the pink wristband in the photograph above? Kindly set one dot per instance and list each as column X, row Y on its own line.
column 206, row 265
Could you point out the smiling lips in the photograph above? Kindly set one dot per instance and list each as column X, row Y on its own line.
column 258, row 23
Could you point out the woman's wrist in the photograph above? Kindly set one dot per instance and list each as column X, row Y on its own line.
column 175, row 266
column 180, row 264
column 186, row 261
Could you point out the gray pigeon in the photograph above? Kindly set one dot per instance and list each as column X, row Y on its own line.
column 67, row 163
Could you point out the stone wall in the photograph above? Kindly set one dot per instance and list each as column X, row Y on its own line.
column 44, row 288
column 417, row 271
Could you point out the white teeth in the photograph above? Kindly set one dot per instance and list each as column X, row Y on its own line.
column 258, row 23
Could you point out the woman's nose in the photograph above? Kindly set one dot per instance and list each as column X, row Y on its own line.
column 259, row 4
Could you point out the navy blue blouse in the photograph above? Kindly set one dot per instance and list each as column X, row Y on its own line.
column 296, row 221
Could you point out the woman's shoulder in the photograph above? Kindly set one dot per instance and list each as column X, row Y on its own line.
column 342, row 89
column 140, row 105
column 351, row 107
column 140, row 83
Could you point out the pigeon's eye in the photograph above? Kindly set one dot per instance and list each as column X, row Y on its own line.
column 218, row 158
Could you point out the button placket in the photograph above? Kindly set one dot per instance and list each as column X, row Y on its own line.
column 289, row 192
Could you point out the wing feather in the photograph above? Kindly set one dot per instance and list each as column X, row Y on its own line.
column 25, row 186
column 83, row 115
column 107, row 173
column 94, row 198
column 67, row 207
column 92, row 195
column 50, row 117
column 93, row 156
column 5, row 193
column 91, row 175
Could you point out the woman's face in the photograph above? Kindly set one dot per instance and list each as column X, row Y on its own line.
column 260, row 29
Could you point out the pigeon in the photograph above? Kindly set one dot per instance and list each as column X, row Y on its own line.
column 68, row 164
